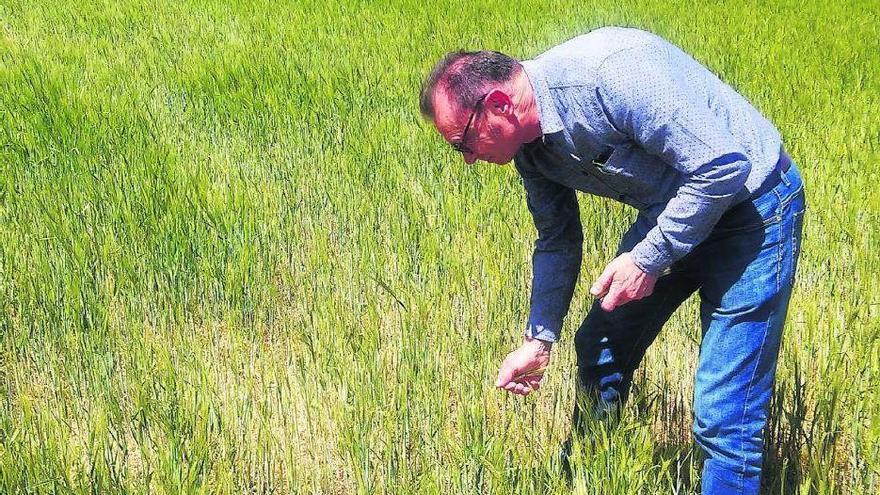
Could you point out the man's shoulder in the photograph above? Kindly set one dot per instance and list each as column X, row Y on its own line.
column 575, row 62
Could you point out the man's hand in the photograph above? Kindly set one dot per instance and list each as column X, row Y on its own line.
column 523, row 369
column 621, row 282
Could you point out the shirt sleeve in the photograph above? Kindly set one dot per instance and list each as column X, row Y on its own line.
column 556, row 259
column 644, row 98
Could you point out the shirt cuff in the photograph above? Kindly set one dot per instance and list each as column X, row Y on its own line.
column 542, row 332
column 650, row 259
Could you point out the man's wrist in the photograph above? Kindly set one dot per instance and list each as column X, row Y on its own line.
column 542, row 332
column 542, row 346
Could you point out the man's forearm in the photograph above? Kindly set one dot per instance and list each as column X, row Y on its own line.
column 555, row 273
column 691, row 214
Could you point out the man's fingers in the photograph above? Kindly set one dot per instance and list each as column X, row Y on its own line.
column 524, row 386
column 616, row 296
column 539, row 372
column 601, row 285
column 517, row 388
column 534, row 382
column 523, row 389
column 514, row 387
column 506, row 374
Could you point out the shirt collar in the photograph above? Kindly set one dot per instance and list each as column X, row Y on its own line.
column 547, row 113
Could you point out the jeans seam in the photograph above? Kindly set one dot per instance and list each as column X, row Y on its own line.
column 780, row 251
column 795, row 243
column 742, row 443
column 788, row 198
column 779, row 255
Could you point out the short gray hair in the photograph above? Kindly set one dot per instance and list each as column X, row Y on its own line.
column 464, row 75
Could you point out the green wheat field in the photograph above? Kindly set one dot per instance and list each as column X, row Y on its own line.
column 234, row 259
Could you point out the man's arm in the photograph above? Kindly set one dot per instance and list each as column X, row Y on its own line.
column 556, row 259
column 646, row 100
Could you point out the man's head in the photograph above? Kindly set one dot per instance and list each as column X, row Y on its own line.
column 481, row 103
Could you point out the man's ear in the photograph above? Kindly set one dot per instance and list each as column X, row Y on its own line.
column 498, row 102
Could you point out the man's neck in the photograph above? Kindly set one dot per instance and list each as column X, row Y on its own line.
column 527, row 108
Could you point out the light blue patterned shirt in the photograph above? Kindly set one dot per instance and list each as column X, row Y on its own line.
column 627, row 115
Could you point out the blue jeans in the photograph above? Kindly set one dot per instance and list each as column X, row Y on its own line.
column 744, row 273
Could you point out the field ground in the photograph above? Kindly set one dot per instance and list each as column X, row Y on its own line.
column 234, row 259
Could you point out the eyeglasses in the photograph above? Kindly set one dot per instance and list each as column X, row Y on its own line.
column 460, row 146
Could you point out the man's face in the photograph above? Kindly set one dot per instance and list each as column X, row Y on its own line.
column 492, row 135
